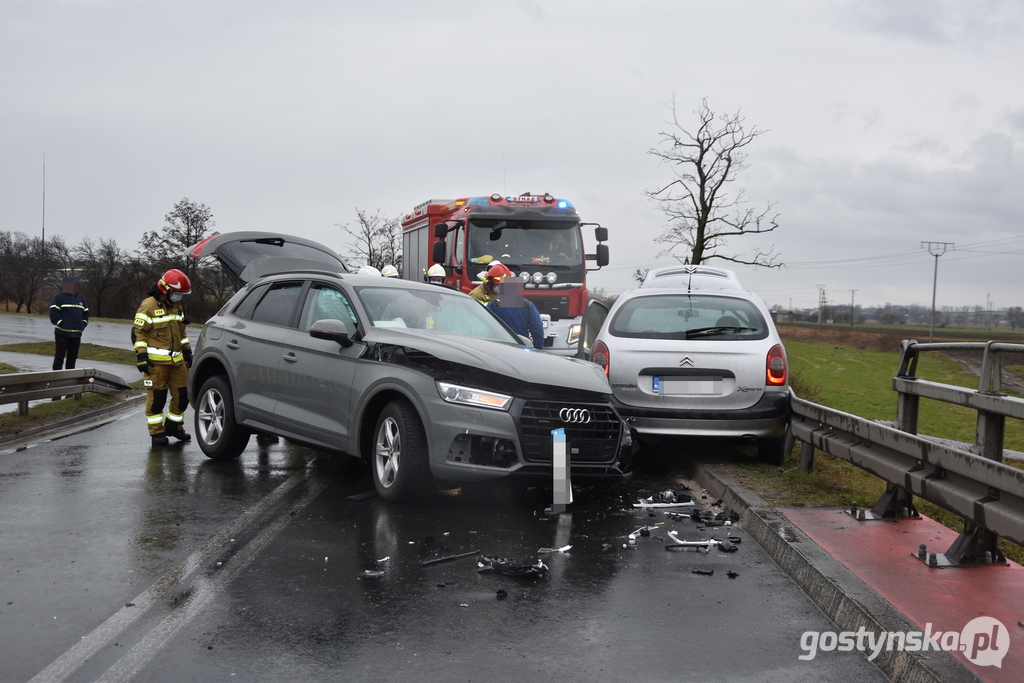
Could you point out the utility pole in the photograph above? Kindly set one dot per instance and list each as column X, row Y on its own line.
column 936, row 249
column 852, row 292
column 821, row 303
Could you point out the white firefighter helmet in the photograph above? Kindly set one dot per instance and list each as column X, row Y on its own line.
column 436, row 272
column 368, row 270
column 389, row 271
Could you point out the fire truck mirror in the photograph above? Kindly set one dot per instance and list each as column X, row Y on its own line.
column 602, row 254
column 438, row 251
column 440, row 230
column 601, row 234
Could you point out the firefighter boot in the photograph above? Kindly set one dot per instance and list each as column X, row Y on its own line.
column 177, row 431
column 158, row 439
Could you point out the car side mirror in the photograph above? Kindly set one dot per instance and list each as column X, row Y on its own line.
column 332, row 330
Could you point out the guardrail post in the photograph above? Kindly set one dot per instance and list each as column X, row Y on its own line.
column 806, row 457
column 991, row 427
column 22, row 408
column 907, row 405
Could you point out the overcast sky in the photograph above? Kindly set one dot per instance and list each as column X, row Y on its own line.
column 886, row 123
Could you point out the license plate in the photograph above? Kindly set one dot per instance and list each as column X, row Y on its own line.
column 688, row 386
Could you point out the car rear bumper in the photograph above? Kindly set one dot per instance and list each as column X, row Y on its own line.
column 766, row 419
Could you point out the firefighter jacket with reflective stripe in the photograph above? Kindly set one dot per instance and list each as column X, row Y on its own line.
column 159, row 330
column 69, row 314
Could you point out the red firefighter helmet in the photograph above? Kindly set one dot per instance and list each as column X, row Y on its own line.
column 496, row 271
column 174, row 281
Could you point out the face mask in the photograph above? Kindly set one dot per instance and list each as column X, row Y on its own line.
column 175, row 297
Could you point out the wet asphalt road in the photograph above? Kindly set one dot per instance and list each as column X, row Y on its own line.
column 124, row 563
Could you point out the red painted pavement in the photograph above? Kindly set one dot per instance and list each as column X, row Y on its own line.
column 880, row 554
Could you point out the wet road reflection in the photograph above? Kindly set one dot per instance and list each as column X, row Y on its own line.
column 123, row 563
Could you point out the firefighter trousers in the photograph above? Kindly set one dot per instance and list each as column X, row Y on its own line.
column 161, row 380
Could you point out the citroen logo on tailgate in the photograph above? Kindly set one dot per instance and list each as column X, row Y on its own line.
column 686, row 362
column 574, row 415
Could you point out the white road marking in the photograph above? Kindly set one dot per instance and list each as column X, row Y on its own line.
column 103, row 634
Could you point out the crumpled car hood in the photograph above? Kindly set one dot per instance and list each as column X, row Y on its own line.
column 515, row 362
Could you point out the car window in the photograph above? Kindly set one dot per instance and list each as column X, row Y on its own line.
column 278, row 306
column 688, row 316
column 324, row 302
column 246, row 305
column 438, row 310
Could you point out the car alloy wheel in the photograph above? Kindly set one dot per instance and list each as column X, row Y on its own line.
column 387, row 452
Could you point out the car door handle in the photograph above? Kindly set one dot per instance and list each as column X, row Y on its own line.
column 233, row 344
column 291, row 358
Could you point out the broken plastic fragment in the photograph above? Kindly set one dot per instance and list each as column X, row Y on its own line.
column 447, row 558
column 563, row 549
column 380, row 561
column 507, row 567
column 647, row 503
column 731, row 574
column 370, row 574
column 502, row 593
column 704, row 572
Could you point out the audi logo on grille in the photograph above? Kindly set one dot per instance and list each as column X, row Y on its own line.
column 574, row 415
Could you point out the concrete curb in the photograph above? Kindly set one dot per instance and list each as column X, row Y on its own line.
column 837, row 591
column 75, row 423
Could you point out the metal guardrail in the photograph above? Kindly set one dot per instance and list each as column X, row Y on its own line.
column 22, row 387
column 969, row 480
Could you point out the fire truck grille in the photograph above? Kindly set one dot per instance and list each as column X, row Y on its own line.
column 591, row 437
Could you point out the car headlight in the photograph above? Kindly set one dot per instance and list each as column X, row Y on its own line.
column 574, row 334
column 467, row 396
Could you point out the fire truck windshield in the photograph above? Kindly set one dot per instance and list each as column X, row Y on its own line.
column 517, row 244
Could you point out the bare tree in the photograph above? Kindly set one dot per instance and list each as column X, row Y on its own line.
column 377, row 240
column 101, row 266
column 640, row 274
column 188, row 223
column 702, row 213
column 1015, row 314
column 23, row 264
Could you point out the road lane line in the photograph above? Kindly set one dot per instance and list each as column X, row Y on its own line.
column 103, row 634
column 206, row 589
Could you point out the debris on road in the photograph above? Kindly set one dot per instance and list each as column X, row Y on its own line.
column 704, row 572
column 501, row 593
column 726, row 545
column 731, row 574
column 371, row 574
column 508, row 567
column 365, row 495
column 448, row 558
column 549, row 551
column 728, row 515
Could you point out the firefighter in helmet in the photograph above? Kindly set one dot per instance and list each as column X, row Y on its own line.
column 389, row 271
column 436, row 274
column 164, row 356
column 488, row 289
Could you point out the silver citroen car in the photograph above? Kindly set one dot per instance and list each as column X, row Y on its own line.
column 417, row 379
column 692, row 354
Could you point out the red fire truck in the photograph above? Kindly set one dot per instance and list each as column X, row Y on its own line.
column 539, row 238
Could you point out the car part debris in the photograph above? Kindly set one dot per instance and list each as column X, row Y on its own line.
column 731, row 574
column 606, row 547
column 703, row 572
column 735, row 539
column 647, row 503
column 508, row 567
column 728, row 515
column 725, row 545
column 548, row 551
column 355, row 498
column 370, row 574
column 380, row 561
column 448, row 558
column 501, row 593
column 716, row 502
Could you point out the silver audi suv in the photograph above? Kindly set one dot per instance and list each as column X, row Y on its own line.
column 418, row 379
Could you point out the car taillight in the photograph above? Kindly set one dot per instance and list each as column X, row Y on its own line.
column 600, row 355
column 776, row 375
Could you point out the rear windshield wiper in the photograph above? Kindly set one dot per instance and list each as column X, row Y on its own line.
column 718, row 329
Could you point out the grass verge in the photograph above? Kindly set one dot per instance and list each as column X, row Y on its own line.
column 86, row 351
column 49, row 412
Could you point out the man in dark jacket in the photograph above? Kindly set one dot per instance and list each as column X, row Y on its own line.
column 518, row 312
column 69, row 316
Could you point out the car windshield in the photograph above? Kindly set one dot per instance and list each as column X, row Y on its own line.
column 441, row 310
column 688, row 316
column 545, row 243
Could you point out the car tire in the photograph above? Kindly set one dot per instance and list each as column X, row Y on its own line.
column 220, row 437
column 772, row 451
column 399, row 463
